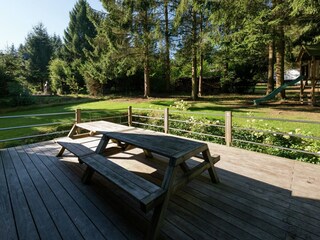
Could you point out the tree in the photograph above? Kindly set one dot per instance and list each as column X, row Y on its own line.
column 57, row 46
column 129, row 31
column 77, row 38
column 107, row 58
column 187, row 18
column 13, row 77
column 38, row 49
column 167, row 44
column 58, row 75
column 79, row 32
column 280, row 7
column 306, row 19
column 270, row 81
column 240, row 35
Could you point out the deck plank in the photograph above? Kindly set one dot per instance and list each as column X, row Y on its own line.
column 7, row 222
column 73, row 170
column 25, row 224
column 82, row 222
column 64, row 224
column 90, row 221
column 45, row 225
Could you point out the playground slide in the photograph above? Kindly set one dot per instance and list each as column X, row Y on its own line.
column 277, row 90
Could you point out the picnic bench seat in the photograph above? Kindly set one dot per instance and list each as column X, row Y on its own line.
column 148, row 194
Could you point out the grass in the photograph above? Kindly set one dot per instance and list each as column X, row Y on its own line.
column 240, row 105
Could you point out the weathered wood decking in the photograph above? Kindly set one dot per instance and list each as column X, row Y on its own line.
column 259, row 197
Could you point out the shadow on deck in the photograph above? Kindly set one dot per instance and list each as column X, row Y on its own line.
column 259, row 197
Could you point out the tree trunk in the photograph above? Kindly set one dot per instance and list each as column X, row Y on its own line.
column 146, row 76
column 146, row 63
column 280, row 60
column 194, row 94
column 201, row 57
column 270, row 84
column 167, row 47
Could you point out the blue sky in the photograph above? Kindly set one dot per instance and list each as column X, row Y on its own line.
column 17, row 17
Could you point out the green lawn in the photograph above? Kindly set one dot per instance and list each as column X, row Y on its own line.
column 241, row 106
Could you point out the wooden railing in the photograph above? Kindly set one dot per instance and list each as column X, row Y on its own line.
column 9, row 135
column 229, row 127
column 164, row 121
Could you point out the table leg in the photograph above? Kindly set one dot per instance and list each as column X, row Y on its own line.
column 102, row 144
column 148, row 153
column 61, row 151
column 185, row 168
column 70, row 134
column 160, row 210
column 87, row 175
column 72, row 131
column 212, row 171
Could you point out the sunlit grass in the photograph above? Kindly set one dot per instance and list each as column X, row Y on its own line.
column 216, row 105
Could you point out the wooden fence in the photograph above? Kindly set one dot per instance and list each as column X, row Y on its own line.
column 166, row 117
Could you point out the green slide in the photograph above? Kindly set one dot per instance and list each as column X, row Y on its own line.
column 277, row 90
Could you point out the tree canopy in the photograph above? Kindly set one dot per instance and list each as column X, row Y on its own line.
column 148, row 47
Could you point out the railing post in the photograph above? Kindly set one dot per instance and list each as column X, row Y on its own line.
column 78, row 116
column 166, row 120
column 130, row 116
column 228, row 128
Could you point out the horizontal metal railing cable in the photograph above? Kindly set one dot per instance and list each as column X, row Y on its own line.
column 196, row 113
column 35, row 115
column 171, row 119
column 280, row 119
column 279, row 147
column 148, row 109
column 145, row 124
column 278, row 133
column 147, row 117
column 197, row 133
column 104, row 117
column 239, row 128
column 33, row 136
column 30, row 126
column 198, row 123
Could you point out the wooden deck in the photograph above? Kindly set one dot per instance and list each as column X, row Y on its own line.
column 259, row 197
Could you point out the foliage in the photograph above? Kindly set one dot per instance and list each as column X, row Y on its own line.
column 147, row 43
column 13, row 79
column 181, row 105
column 264, row 134
column 59, row 70
column 38, row 50
column 80, row 31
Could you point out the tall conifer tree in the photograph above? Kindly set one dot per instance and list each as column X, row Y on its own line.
column 38, row 50
column 76, row 40
column 79, row 31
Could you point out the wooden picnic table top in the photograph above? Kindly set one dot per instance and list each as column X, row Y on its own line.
column 102, row 126
column 165, row 145
column 162, row 144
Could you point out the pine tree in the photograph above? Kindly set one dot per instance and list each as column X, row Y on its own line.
column 167, row 44
column 38, row 49
column 76, row 41
column 80, row 30
column 187, row 15
column 128, row 32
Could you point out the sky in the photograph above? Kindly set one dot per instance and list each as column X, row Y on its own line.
column 18, row 17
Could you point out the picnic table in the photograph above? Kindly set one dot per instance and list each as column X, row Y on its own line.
column 175, row 149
